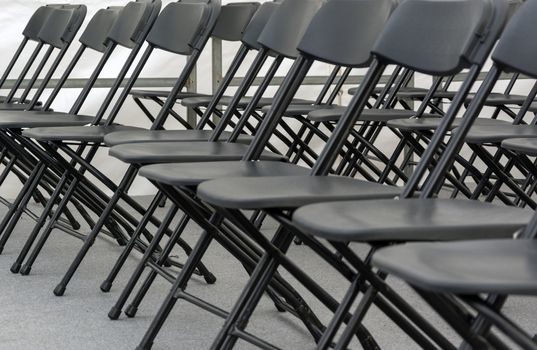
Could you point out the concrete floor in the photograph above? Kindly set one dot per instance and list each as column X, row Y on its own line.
column 31, row 317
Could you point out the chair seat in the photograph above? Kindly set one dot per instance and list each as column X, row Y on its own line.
column 35, row 119
column 144, row 135
column 425, row 124
column 75, row 133
column 374, row 115
column 485, row 266
column 479, row 134
column 300, row 108
column 162, row 94
column 410, row 220
column 178, row 152
column 192, row 174
column 13, row 106
column 522, row 145
column 203, row 101
column 288, row 191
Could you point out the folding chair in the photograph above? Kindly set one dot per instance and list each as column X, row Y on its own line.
column 396, row 45
column 355, row 51
column 56, row 33
column 423, row 219
column 106, row 30
column 30, row 34
column 192, row 24
column 479, row 275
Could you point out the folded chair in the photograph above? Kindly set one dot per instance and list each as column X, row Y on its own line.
column 30, row 34
column 106, row 30
column 228, row 197
column 57, row 32
column 192, row 22
column 355, row 53
column 457, row 277
column 426, row 219
column 150, row 150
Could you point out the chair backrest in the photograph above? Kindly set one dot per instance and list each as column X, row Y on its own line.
column 133, row 20
column 36, row 22
column 287, row 25
column 233, row 20
column 178, row 26
column 257, row 24
column 449, row 35
column 96, row 33
column 515, row 50
column 62, row 25
column 331, row 35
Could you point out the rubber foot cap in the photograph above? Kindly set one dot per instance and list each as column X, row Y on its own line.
column 209, row 278
column 131, row 311
column 114, row 313
column 106, row 286
column 25, row 270
column 15, row 268
column 59, row 290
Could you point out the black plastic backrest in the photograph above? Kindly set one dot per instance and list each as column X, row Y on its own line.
column 95, row 35
column 206, row 30
column 287, row 25
column 133, row 20
column 516, row 51
column 257, row 24
column 177, row 26
column 36, row 22
column 62, row 25
column 343, row 32
column 449, row 34
column 233, row 20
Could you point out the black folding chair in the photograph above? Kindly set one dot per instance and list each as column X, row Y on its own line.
column 278, row 196
column 192, row 23
column 107, row 29
column 57, row 32
column 30, row 34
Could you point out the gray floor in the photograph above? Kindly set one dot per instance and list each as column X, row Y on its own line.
column 31, row 317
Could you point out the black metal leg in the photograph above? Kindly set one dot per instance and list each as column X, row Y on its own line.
column 13, row 215
column 15, row 268
column 107, row 283
column 251, row 293
column 193, row 259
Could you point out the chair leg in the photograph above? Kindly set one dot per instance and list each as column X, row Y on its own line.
column 107, row 283
column 180, row 284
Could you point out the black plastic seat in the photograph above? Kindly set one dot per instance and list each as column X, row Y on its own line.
column 490, row 266
column 192, row 174
column 36, row 119
column 412, row 219
column 376, row 115
column 143, row 135
column 203, row 101
column 169, row 152
column 163, row 94
column 424, row 124
column 521, row 145
column 480, row 134
column 288, row 191
column 93, row 133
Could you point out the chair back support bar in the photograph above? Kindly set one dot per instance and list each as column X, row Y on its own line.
column 133, row 20
column 257, row 24
column 331, row 36
column 233, row 20
column 62, row 25
column 285, row 28
column 96, row 33
column 446, row 33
